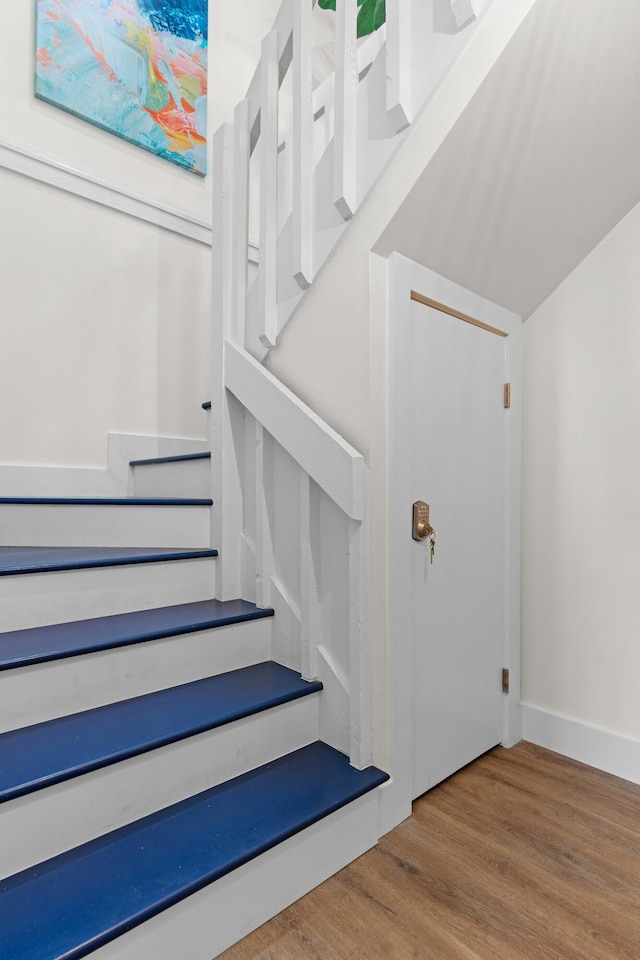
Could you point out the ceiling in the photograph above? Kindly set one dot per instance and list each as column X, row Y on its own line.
column 544, row 161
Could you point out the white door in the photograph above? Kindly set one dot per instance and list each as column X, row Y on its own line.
column 451, row 356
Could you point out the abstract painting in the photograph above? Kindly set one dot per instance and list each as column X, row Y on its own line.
column 137, row 68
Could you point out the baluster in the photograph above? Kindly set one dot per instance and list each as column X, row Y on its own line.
column 264, row 545
column 310, row 600
column 399, row 63
column 346, row 113
column 303, row 160
column 267, row 279
column 240, row 228
column 222, row 218
column 226, row 515
column 361, row 748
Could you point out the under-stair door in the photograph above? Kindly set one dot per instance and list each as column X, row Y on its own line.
column 457, row 428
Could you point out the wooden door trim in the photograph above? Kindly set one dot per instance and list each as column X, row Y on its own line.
column 450, row 311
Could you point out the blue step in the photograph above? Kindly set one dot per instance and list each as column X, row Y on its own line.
column 178, row 458
column 72, row 904
column 20, row 648
column 107, row 501
column 206, row 405
column 19, row 560
column 46, row 753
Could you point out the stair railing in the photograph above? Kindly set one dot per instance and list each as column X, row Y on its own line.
column 287, row 157
column 279, row 142
column 289, row 505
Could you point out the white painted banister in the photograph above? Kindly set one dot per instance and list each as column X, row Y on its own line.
column 267, row 269
column 302, row 255
column 333, row 463
column 346, row 109
column 399, row 63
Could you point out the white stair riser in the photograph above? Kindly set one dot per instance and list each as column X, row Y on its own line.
column 211, row 920
column 45, row 823
column 183, row 478
column 61, row 687
column 36, row 599
column 54, row 525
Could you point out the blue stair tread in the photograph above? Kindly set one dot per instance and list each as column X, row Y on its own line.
column 109, row 501
column 19, row 648
column 206, row 405
column 16, row 560
column 66, row 907
column 35, row 757
column 178, row 458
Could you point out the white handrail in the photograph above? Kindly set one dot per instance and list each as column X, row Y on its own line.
column 334, row 464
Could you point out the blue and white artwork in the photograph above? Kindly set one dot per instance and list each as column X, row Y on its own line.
column 137, row 68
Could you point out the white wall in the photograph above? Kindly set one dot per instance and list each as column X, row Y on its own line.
column 104, row 318
column 581, row 521
column 104, row 324
column 235, row 34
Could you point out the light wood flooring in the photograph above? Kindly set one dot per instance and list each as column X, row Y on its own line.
column 523, row 855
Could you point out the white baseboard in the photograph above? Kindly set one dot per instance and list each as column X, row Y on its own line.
column 603, row 749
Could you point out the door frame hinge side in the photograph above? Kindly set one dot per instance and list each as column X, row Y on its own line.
column 505, row 680
column 507, row 396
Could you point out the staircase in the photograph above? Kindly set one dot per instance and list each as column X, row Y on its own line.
column 177, row 764
column 162, row 780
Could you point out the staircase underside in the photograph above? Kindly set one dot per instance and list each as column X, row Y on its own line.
column 542, row 163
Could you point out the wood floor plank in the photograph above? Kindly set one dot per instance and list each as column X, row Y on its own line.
column 571, row 869
column 523, row 855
